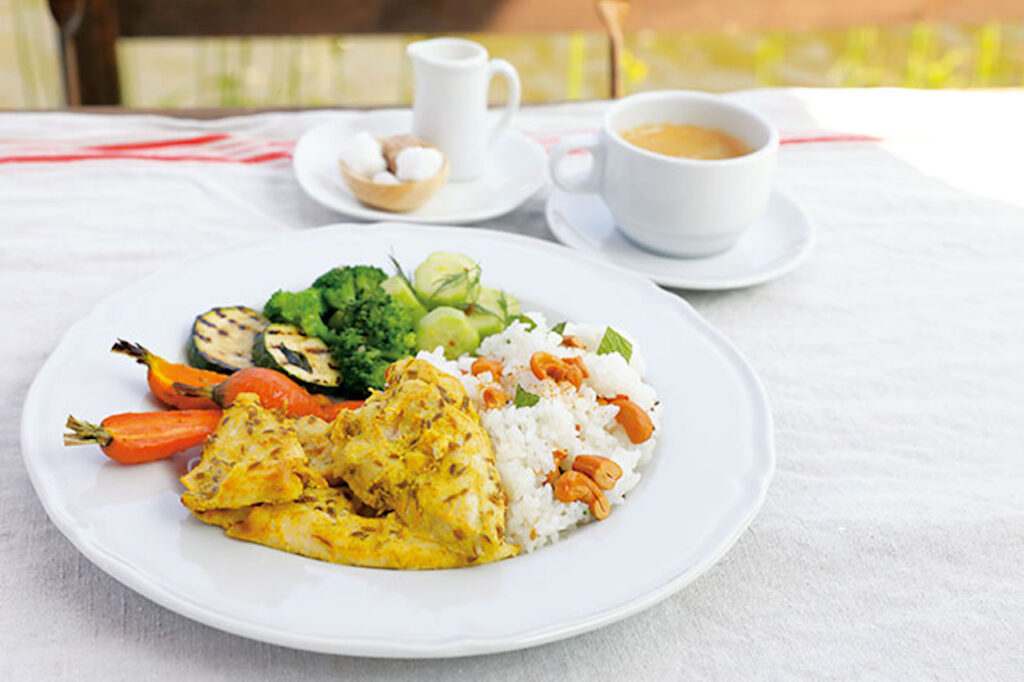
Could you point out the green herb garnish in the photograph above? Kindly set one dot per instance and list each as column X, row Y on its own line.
column 502, row 313
column 559, row 328
column 613, row 342
column 405, row 278
column 470, row 279
column 530, row 324
column 524, row 398
column 503, row 305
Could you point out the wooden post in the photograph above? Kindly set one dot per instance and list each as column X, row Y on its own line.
column 613, row 15
column 615, row 55
column 68, row 15
column 88, row 39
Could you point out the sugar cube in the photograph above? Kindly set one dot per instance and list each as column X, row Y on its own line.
column 362, row 154
column 418, row 163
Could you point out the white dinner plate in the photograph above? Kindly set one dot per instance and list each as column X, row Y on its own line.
column 773, row 246
column 706, row 482
column 516, row 168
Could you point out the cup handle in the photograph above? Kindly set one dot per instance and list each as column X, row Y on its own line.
column 500, row 67
column 592, row 182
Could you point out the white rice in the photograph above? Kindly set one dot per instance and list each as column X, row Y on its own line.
column 524, row 438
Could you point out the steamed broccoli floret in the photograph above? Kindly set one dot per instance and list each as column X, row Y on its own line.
column 372, row 332
column 341, row 285
column 363, row 326
column 362, row 367
column 305, row 309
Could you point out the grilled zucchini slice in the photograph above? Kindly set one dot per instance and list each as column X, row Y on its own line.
column 222, row 338
column 305, row 359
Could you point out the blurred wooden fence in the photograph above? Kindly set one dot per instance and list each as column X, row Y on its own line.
column 369, row 70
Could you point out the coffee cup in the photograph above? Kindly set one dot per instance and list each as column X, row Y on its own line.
column 449, row 107
column 675, row 205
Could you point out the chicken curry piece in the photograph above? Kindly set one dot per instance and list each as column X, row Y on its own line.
column 253, row 457
column 408, row 481
column 418, row 448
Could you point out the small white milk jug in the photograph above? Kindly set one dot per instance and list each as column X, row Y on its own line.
column 450, row 101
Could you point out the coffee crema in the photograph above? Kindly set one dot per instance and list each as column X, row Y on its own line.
column 687, row 141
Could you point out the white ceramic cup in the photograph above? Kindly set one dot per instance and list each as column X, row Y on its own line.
column 449, row 107
column 672, row 205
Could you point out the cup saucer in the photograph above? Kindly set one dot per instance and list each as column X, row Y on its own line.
column 773, row 246
column 516, row 169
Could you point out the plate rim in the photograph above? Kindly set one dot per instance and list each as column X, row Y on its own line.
column 689, row 282
column 360, row 212
column 133, row 579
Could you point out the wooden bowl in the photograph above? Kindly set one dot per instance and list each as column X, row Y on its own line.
column 399, row 198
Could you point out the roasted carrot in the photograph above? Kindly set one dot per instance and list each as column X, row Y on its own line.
column 275, row 390
column 162, row 375
column 136, row 437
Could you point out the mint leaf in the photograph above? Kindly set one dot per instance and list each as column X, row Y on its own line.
column 524, row 398
column 559, row 328
column 613, row 342
column 530, row 324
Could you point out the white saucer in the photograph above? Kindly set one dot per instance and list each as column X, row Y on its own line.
column 773, row 246
column 516, row 168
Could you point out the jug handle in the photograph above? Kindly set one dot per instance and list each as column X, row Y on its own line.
column 500, row 67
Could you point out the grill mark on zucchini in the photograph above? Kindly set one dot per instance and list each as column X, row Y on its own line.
column 244, row 327
column 293, row 358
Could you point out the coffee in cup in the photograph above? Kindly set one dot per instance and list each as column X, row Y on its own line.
column 676, row 204
column 687, row 141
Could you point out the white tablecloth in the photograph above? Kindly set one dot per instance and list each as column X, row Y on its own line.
column 892, row 542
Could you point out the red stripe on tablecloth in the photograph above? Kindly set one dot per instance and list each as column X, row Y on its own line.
column 548, row 140
column 269, row 156
column 54, row 158
column 217, row 148
column 232, row 147
column 159, row 144
column 235, row 148
column 812, row 139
